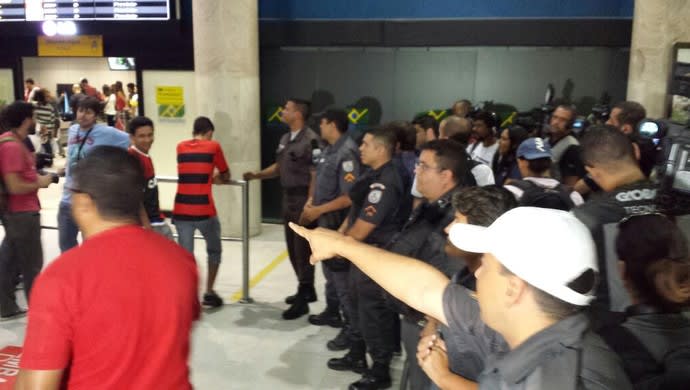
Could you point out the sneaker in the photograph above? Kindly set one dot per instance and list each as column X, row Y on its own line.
column 13, row 316
column 212, row 300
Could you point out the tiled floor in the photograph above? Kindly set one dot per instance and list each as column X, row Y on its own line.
column 241, row 346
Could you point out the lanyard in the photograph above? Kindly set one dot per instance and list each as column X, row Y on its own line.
column 83, row 141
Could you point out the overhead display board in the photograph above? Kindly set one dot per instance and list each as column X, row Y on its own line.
column 42, row 10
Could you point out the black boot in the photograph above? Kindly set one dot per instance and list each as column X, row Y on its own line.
column 354, row 360
column 299, row 308
column 330, row 316
column 341, row 342
column 308, row 291
column 378, row 377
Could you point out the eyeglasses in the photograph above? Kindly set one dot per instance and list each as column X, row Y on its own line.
column 423, row 167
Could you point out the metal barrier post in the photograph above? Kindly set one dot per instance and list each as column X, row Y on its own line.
column 245, row 244
column 245, row 232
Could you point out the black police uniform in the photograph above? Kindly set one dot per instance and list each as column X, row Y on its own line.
column 423, row 237
column 294, row 158
column 379, row 198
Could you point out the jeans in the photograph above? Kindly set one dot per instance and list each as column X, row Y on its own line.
column 20, row 252
column 164, row 230
column 67, row 228
column 209, row 228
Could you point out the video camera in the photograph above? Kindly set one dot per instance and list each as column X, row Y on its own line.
column 673, row 163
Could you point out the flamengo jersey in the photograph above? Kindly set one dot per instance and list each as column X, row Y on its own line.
column 151, row 204
column 196, row 160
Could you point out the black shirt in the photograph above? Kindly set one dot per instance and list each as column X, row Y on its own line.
column 601, row 215
column 378, row 197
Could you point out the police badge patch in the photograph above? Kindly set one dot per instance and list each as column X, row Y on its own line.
column 375, row 196
column 348, row 166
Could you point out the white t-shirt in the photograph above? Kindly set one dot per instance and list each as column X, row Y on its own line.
column 483, row 154
column 110, row 105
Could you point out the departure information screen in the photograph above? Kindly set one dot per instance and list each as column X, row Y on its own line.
column 41, row 10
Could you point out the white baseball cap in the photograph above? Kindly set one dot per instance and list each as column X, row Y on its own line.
column 547, row 248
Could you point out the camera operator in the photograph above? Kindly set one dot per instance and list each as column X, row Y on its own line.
column 21, row 250
column 609, row 158
column 567, row 165
column 626, row 116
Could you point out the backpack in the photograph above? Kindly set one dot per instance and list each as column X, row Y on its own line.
column 535, row 195
column 4, row 193
column 642, row 368
column 470, row 181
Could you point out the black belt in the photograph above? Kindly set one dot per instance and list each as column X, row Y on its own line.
column 296, row 190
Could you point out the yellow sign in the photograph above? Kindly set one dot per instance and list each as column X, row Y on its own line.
column 70, row 46
column 166, row 95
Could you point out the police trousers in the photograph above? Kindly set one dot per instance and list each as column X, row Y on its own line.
column 371, row 318
column 299, row 251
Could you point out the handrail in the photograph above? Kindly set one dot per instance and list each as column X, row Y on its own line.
column 245, row 231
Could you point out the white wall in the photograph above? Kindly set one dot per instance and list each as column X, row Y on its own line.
column 168, row 132
column 6, row 86
column 50, row 71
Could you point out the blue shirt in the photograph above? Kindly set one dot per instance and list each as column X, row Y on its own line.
column 336, row 170
column 99, row 135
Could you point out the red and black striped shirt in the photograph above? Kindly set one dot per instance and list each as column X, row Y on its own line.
column 196, row 160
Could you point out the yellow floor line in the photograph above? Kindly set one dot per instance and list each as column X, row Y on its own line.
column 262, row 274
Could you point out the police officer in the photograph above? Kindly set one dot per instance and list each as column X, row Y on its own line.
column 380, row 205
column 441, row 171
column 336, row 171
column 295, row 167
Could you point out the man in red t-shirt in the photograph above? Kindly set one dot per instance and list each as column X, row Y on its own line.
column 21, row 250
column 117, row 311
column 200, row 164
column 140, row 131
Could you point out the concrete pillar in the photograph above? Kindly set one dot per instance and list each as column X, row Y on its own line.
column 657, row 25
column 226, row 67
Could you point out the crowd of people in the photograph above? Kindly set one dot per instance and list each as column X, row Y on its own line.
column 497, row 257
column 119, row 107
column 511, row 258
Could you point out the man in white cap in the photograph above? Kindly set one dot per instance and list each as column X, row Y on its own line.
column 531, row 296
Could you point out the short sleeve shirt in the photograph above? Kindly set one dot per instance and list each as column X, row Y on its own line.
column 151, row 204
column 117, row 311
column 294, row 158
column 470, row 338
column 98, row 135
column 377, row 199
column 16, row 158
column 196, row 161
column 483, row 154
column 566, row 355
column 336, row 171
